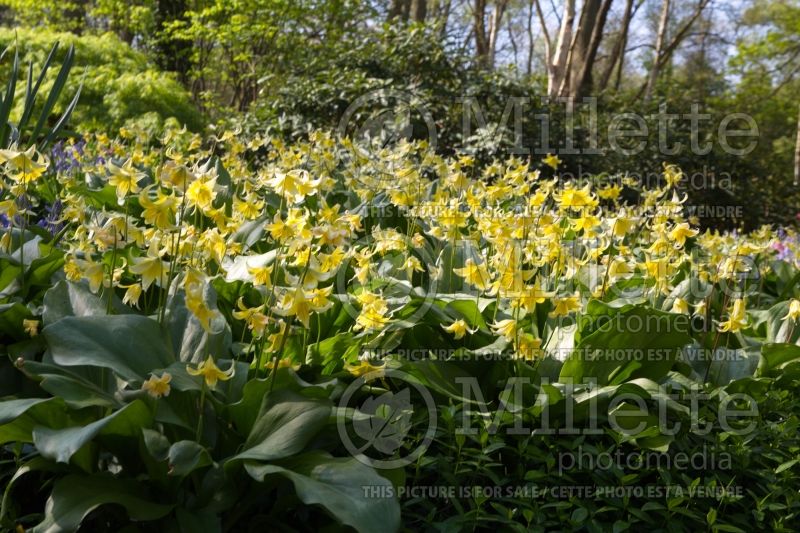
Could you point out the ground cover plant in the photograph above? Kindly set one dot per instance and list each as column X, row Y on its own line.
column 259, row 271
column 183, row 321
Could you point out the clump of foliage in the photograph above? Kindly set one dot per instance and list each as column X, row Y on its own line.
column 120, row 88
column 183, row 320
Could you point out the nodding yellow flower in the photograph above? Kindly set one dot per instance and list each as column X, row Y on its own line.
column 475, row 275
column 700, row 308
column 458, row 329
column 528, row 347
column 157, row 387
column 680, row 306
column 794, row 311
column 411, row 265
column 507, row 328
column 124, row 178
column 552, row 161
column 31, row 327
column 681, row 232
column 93, row 271
column 211, row 372
column 286, row 362
column 254, row 317
column 262, row 275
column 278, row 229
column 370, row 318
column 672, row 175
column 571, row 198
column 564, row 305
column 151, row 268
column 161, row 212
column 737, row 319
column 296, row 303
column 622, row 225
column 610, row 192
column 24, row 167
column 364, row 367
column 132, row 294
column 201, row 193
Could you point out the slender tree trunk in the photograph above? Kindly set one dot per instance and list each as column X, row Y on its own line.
column 399, row 9
column 529, row 65
column 419, row 10
column 479, row 29
column 797, row 155
column 443, row 15
column 660, row 36
column 494, row 29
column 563, row 44
column 594, row 25
column 619, row 45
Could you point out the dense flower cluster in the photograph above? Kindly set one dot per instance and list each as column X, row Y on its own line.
column 323, row 224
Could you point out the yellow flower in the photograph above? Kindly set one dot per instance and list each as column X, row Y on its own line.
column 672, row 175
column 610, row 192
column 458, row 329
column 201, row 192
column 31, row 327
column 124, row 178
column 552, row 161
column 282, row 363
column 157, row 387
column 475, row 275
column 161, row 212
column 680, row 306
column 794, row 311
column 151, row 268
column 211, row 372
column 576, row 198
column 24, row 167
column 370, row 318
column 680, row 232
column 737, row 318
column 93, row 271
column 622, row 225
column 564, row 305
column 363, row 367
column 132, row 294
column 507, row 328
column 528, row 347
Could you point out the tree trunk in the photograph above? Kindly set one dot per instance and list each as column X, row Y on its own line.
column 479, row 29
column 399, row 9
column 594, row 25
column 797, row 155
column 494, row 29
column 529, row 65
column 563, row 44
column 660, row 36
column 419, row 10
column 618, row 52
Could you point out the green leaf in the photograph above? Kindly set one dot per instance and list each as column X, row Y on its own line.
column 352, row 492
column 74, row 497
column 66, row 298
column 635, row 341
column 190, row 341
column 61, row 444
column 779, row 355
column 130, row 345
column 183, row 457
column 12, row 409
column 286, row 423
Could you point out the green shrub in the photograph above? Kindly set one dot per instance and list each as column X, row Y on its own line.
column 120, row 87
